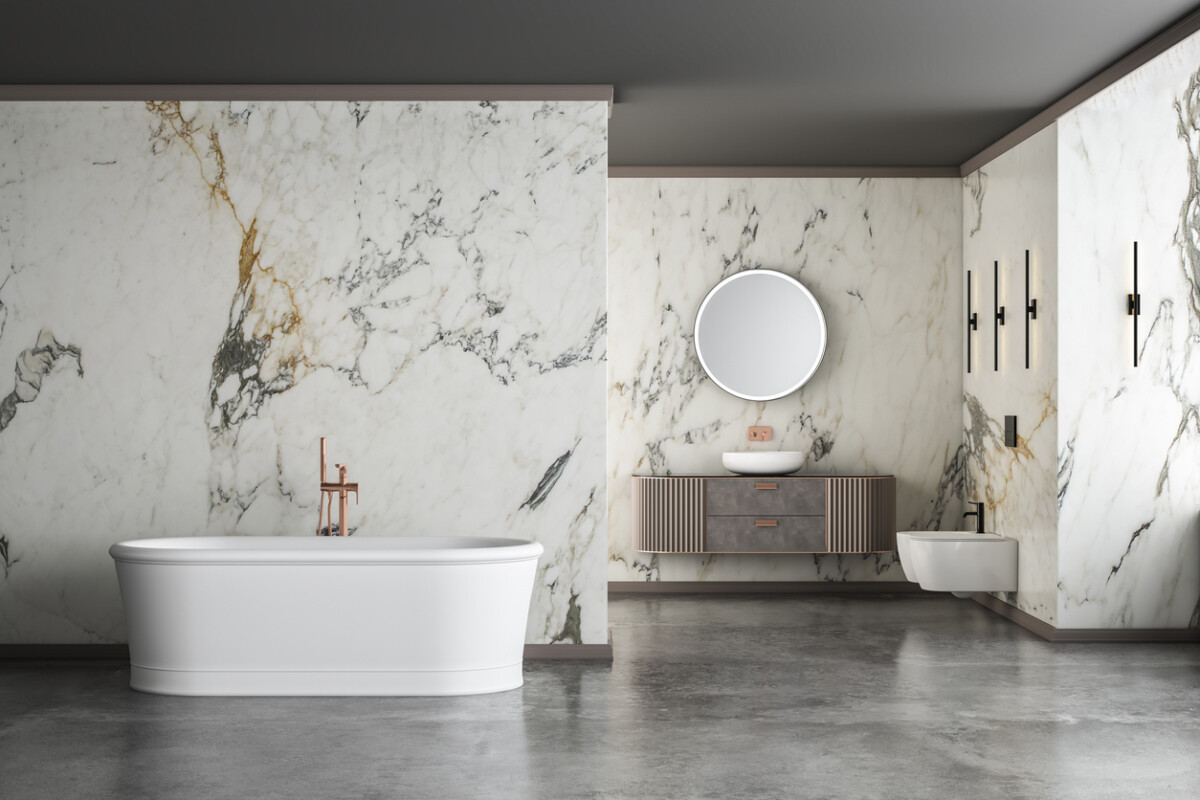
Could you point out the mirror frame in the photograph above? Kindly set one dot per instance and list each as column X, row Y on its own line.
column 820, row 317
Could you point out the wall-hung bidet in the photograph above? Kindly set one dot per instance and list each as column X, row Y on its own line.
column 962, row 562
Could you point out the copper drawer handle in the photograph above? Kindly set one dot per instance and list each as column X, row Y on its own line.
column 766, row 523
column 766, row 486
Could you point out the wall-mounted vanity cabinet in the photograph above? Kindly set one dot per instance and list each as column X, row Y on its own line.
column 764, row 515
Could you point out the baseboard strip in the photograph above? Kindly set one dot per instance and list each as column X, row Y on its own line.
column 64, row 652
column 569, row 652
column 763, row 587
column 1097, row 635
column 1023, row 618
column 120, row 652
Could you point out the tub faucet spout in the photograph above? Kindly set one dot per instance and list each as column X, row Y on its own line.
column 342, row 489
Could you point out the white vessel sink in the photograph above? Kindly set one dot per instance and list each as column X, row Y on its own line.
column 777, row 462
column 961, row 562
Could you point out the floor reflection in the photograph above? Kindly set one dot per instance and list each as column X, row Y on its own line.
column 796, row 696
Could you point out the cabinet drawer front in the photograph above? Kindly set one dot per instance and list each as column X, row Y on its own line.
column 728, row 497
column 756, row 534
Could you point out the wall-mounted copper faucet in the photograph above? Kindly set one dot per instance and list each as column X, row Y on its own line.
column 759, row 433
column 342, row 488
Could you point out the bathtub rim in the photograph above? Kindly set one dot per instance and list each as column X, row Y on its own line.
column 332, row 550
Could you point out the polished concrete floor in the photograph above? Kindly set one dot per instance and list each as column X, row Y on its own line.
column 709, row 697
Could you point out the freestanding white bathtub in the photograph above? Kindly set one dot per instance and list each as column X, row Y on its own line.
column 326, row 615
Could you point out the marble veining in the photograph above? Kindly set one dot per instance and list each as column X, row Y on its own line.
column 975, row 186
column 33, row 365
column 881, row 258
column 4, row 555
column 423, row 283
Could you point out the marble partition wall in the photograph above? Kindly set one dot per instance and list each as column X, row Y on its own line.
column 1010, row 206
column 881, row 256
column 193, row 294
column 1129, row 437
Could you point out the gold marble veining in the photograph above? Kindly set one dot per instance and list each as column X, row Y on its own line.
column 214, row 174
column 249, row 255
column 998, row 462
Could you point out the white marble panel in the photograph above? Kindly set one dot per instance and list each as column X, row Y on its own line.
column 881, row 256
column 1129, row 438
column 195, row 293
column 1010, row 206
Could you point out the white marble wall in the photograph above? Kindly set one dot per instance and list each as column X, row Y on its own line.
column 1011, row 206
column 881, row 256
column 193, row 294
column 1129, row 438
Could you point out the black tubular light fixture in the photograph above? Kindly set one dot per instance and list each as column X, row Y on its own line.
column 999, row 317
column 1030, row 309
column 1135, row 306
column 972, row 321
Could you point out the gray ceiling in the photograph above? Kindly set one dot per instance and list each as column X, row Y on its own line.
column 697, row 82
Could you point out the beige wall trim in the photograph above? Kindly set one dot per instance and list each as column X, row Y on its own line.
column 761, row 587
column 1156, row 46
column 1057, row 635
column 306, row 92
column 783, row 172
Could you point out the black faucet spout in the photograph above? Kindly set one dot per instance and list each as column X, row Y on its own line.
column 978, row 515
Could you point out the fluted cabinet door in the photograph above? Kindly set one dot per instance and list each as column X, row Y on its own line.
column 668, row 515
column 861, row 515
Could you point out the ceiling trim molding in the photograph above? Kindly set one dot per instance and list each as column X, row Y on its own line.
column 1151, row 49
column 783, row 172
column 432, row 92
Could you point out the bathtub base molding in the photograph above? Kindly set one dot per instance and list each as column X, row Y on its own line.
column 324, row 683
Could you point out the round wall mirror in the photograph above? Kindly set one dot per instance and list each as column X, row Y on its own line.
column 760, row 334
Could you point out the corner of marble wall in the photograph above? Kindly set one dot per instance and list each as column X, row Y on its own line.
column 1109, row 536
column 1129, row 446
column 1010, row 206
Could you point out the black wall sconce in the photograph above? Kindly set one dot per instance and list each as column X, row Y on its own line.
column 999, row 318
column 1030, row 309
column 972, row 321
column 1135, row 306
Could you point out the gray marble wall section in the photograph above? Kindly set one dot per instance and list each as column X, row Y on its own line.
column 882, row 257
column 192, row 294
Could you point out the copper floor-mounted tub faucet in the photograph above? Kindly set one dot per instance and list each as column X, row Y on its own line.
column 342, row 488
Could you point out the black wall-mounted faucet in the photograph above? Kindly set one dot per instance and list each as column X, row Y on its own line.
column 978, row 515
